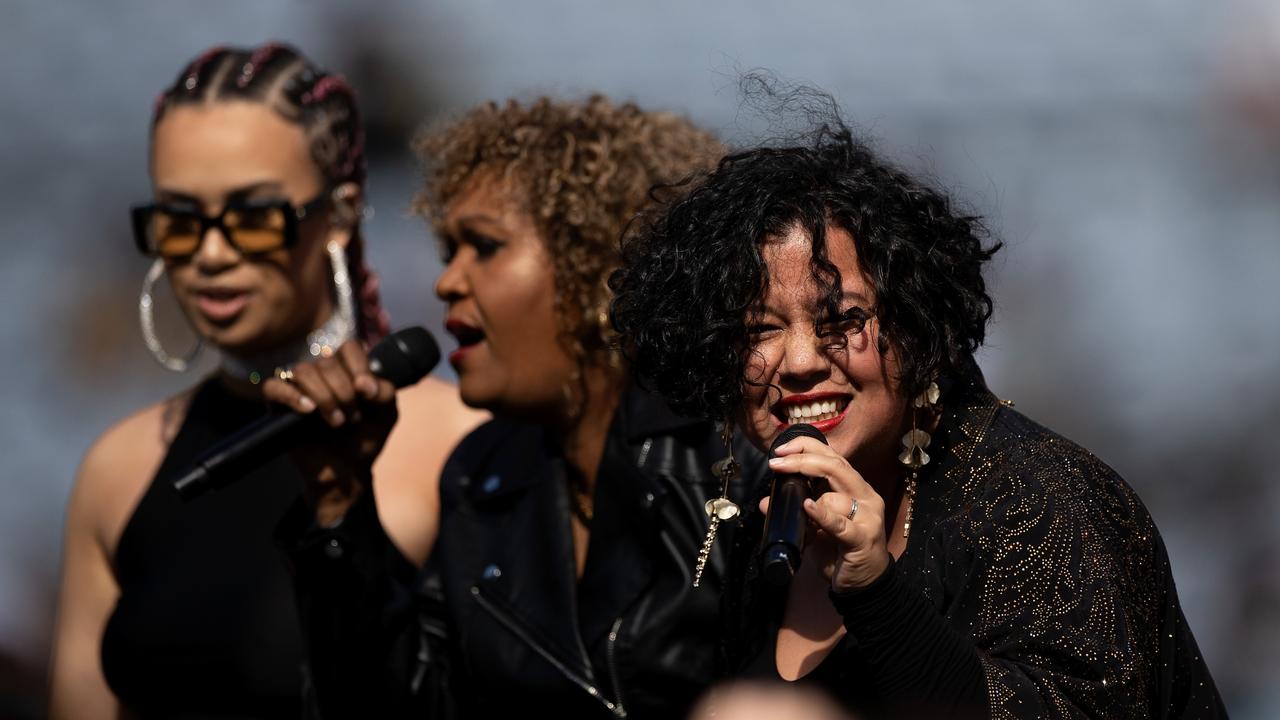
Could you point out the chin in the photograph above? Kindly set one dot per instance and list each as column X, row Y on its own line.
column 476, row 397
column 476, row 403
column 241, row 338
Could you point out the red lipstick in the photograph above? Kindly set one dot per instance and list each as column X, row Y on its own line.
column 841, row 401
column 467, row 335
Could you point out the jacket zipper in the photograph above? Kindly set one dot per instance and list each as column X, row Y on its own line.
column 517, row 628
column 613, row 666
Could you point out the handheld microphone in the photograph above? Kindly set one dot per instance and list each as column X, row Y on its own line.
column 403, row 357
column 784, row 527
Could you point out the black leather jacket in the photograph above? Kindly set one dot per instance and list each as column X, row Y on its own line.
column 496, row 624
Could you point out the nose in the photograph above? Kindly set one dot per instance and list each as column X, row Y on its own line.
column 215, row 252
column 453, row 285
column 803, row 359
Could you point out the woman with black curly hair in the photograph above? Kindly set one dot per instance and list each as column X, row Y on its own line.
column 962, row 560
column 560, row 578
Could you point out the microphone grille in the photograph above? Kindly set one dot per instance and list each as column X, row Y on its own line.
column 405, row 356
column 791, row 432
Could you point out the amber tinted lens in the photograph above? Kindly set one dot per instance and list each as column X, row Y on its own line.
column 172, row 233
column 256, row 229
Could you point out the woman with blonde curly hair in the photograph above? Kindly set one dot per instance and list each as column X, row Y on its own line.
column 561, row 577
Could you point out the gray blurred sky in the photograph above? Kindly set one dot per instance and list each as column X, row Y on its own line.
column 1124, row 151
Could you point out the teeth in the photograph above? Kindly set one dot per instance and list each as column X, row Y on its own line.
column 813, row 412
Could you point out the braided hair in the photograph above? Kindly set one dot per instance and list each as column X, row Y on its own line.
column 319, row 102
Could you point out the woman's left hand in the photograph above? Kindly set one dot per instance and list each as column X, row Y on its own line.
column 859, row 550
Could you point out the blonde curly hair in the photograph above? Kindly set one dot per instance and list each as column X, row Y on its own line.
column 583, row 170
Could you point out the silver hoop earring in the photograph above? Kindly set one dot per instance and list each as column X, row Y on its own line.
column 146, row 318
column 342, row 328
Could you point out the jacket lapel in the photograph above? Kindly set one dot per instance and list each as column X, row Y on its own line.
column 521, row 494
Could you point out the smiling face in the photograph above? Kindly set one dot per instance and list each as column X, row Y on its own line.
column 211, row 154
column 848, row 392
column 499, row 285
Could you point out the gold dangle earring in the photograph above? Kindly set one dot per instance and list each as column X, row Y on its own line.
column 914, row 444
column 719, row 509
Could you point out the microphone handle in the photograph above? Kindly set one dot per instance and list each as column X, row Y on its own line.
column 404, row 357
column 248, row 448
column 784, row 529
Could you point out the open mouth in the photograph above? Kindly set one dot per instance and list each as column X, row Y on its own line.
column 221, row 305
column 467, row 335
column 811, row 408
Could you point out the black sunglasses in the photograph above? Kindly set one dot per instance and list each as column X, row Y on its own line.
column 175, row 231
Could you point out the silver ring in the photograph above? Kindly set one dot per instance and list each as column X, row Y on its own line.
column 853, row 510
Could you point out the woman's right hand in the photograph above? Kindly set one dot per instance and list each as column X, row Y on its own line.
column 849, row 513
column 358, row 406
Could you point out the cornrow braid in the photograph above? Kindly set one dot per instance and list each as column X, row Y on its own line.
column 322, row 104
column 257, row 60
column 194, row 75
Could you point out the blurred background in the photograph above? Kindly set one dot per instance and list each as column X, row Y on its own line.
column 1127, row 153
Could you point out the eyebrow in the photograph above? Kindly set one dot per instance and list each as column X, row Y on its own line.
column 855, row 295
column 482, row 218
column 238, row 193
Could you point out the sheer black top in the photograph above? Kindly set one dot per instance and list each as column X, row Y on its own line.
column 1033, row 585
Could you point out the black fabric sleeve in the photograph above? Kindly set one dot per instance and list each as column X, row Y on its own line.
column 922, row 667
column 374, row 646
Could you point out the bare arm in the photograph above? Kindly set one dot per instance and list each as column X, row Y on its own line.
column 114, row 475
column 87, row 596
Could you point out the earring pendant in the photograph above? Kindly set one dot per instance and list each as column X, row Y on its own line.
column 719, row 509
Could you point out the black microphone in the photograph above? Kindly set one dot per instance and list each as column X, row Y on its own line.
column 784, row 527
column 403, row 357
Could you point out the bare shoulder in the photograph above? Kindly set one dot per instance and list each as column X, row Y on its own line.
column 432, row 422
column 406, row 475
column 120, row 464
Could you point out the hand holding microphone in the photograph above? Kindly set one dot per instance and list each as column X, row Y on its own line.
column 355, row 395
column 343, row 409
column 786, row 526
column 849, row 542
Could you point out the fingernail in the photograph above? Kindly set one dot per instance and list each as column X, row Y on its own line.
column 336, row 417
column 306, row 404
column 809, row 503
column 773, row 462
column 783, row 446
column 367, row 385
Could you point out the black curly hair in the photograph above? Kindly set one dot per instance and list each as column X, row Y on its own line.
column 692, row 274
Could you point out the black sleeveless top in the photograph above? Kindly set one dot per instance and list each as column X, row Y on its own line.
column 206, row 625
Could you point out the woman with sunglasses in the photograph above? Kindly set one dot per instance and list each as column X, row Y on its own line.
column 185, row 609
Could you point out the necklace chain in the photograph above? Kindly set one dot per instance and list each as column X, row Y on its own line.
column 324, row 341
column 581, row 505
